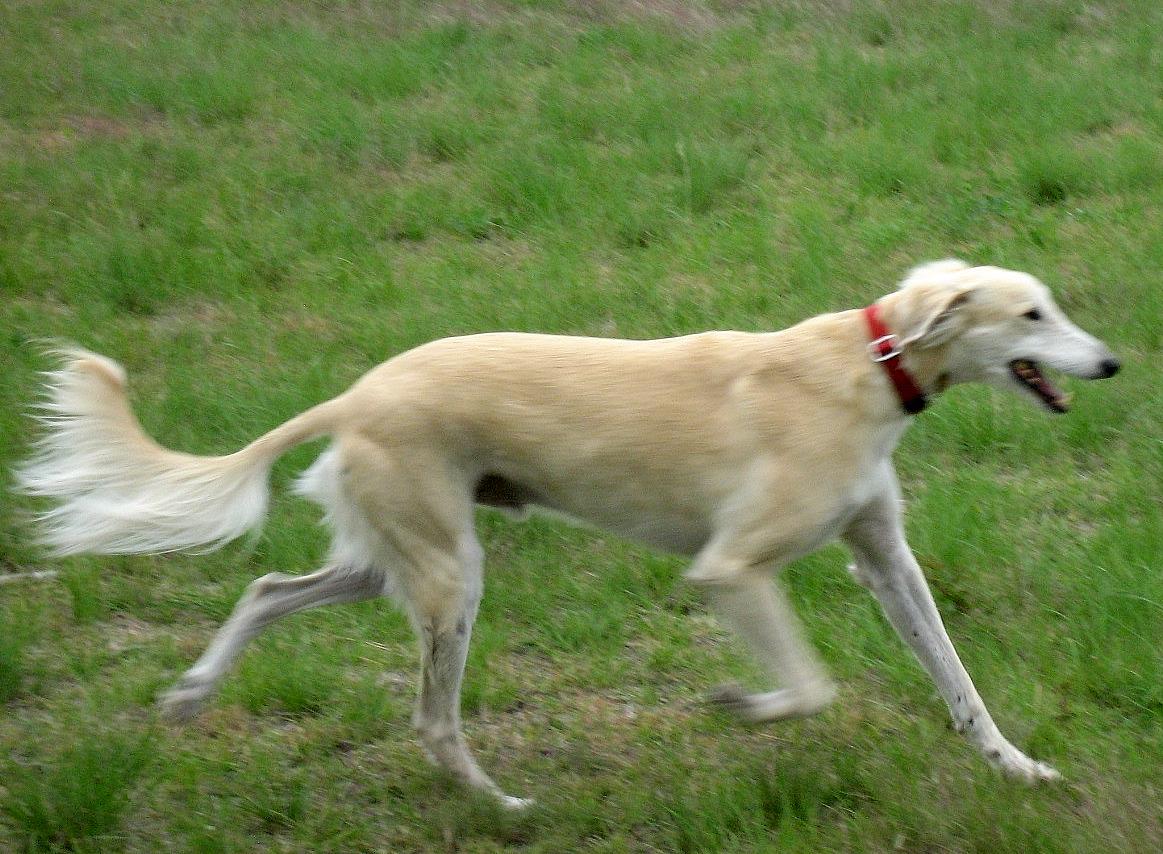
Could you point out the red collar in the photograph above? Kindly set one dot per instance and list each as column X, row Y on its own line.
column 885, row 349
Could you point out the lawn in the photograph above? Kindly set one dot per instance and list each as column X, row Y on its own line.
column 249, row 204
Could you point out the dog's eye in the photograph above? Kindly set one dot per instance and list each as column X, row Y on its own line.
column 1033, row 314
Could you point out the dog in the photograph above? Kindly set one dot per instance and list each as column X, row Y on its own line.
column 744, row 451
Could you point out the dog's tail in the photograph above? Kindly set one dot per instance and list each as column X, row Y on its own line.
column 119, row 492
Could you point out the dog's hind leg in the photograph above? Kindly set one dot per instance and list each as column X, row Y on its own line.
column 444, row 606
column 753, row 604
column 886, row 565
column 266, row 600
column 422, row 511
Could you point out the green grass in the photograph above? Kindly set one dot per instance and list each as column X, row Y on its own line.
column 12, row 674
column 249, row 204
column 78, row 801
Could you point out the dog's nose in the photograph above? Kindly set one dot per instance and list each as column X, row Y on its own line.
column 1109, row 368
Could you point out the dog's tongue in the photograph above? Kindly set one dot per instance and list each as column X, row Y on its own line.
column 1032, row 377
column 1054, row 398
column 1045, row 388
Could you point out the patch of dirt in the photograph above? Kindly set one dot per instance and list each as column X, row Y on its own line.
column 126, row 632
column 689, row 15
column 203, row 315
column 73, row 129
column 312, row 324
column 696, row 17
column 100, row 126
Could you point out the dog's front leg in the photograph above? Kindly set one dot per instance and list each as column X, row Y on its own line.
column 886, row 565
column 752, row 603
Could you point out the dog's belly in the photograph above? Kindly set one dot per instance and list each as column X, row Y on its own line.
column 682, row 529
column 782, row 511
column 668, row 533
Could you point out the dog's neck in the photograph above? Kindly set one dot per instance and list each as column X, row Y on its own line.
column 926, row 365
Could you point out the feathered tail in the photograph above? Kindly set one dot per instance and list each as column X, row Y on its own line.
column 120, row 492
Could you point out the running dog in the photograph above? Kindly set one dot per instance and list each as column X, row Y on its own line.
column 744, row 451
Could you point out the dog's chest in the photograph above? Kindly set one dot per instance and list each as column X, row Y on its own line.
column 810, row 501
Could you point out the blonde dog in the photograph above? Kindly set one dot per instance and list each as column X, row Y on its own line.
column 745, row 451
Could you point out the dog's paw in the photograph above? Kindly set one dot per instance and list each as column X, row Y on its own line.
column 729, row 698
column 1045, row 773
column 516, row 805
column 183, row 702
column 1032, row 772
column 773, row 705
column 1017, row 766
column 736, row 702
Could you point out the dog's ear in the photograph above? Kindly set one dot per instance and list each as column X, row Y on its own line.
column 939, row 320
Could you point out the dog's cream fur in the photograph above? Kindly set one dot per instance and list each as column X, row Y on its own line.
column 744, row 451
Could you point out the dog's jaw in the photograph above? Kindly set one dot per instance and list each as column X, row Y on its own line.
column 1029, row 377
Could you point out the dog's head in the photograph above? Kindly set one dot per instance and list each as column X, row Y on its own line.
column 995, row 326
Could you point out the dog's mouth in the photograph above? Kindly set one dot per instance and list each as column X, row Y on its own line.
column 1027, row 374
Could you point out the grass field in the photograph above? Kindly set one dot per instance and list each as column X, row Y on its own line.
column 250, row 203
